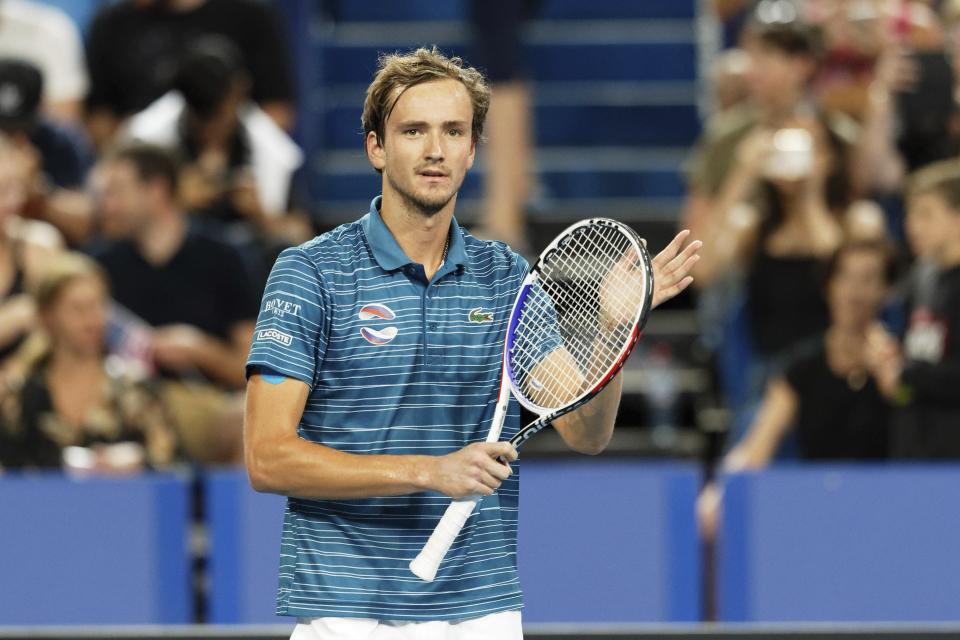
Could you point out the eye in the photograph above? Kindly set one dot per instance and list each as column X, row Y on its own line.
column 456, row 132
column 411, row 131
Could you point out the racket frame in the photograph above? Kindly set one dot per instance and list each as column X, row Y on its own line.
column 428, row 561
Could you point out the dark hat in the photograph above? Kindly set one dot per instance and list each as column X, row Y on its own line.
column 21, row 87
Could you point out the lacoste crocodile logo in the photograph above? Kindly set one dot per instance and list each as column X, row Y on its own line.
column 479, row 316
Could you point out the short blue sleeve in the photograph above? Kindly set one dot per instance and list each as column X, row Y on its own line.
column 538, row 331
column 291, row 335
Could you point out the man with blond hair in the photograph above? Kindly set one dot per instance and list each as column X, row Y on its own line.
column 373, row 378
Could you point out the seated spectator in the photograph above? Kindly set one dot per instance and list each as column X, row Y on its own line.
column 59, row 158
column 68, row 396
column 239, row 165
column 25, row 245
column 134, row 47
column 192, row 288
column 826, row 394
column 47, row 37
column 922, row 374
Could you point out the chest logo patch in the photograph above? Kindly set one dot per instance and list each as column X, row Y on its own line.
column 479, row 316
column 377, row 311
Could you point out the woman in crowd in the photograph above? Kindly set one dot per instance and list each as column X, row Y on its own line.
column 67, row 406
column 826, row 394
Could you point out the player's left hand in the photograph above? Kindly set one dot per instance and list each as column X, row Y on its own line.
column 671, row 267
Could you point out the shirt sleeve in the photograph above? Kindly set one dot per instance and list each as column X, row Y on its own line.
column 291, row 332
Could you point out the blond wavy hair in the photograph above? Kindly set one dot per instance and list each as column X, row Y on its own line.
column 397, row 72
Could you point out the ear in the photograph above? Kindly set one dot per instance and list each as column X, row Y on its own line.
column 375, row 152
column 473, row 154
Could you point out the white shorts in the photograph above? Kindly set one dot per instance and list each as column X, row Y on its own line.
column 504, row 625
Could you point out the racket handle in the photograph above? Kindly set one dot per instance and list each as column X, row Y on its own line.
column 425, row 565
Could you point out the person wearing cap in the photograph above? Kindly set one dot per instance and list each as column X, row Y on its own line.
column 59, row 157
column 47, row 36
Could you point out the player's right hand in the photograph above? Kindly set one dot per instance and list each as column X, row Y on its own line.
column 474, row 470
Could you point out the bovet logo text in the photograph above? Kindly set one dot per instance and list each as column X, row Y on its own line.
column 280, row 307
column 276, row 336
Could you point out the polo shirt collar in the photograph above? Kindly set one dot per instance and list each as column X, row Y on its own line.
column 388, row 253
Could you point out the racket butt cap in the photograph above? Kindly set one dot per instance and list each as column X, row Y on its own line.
column 423, row 568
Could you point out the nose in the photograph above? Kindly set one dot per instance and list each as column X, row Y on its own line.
column 434, row 150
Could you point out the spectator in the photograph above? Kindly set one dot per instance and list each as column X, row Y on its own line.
column 47, row 37
column 68, row 396
column 58, row 157
column 241, row 166
column 826, row 394
column 923, row 374
column 189, row 286
column 783, row 60
column 134, row 46
column 25, row 245
column 910, row 117
column 499, row 50
column 782, row 239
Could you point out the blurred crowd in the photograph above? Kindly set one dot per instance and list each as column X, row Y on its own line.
column 826, row 185
column 148, row 179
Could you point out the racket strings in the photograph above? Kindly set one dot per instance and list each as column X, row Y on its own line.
column 586, row 300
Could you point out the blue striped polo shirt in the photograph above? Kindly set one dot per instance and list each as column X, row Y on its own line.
column 395, row 365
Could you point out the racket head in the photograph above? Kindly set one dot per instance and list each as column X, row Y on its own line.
column 581, row 309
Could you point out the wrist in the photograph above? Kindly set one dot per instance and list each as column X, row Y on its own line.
column 421, row 472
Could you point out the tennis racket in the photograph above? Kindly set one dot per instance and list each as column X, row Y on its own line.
column 576, row 318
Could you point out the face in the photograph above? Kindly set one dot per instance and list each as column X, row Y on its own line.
column 857, row 289
column 933, row 228
column 122, row 198
column 427, row 147
column 13, row 186
column 77, row 319
column 774, row 77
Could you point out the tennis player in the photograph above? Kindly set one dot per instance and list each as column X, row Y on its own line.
column 373, row 378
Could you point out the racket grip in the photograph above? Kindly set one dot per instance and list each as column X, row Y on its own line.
column 425, row 565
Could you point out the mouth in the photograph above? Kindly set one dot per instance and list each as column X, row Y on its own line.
column 433, row 174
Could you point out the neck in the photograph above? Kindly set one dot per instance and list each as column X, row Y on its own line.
column 76, row 363
column 422, row 237
column 162, row 236
column 774, row 114
column 851, row 335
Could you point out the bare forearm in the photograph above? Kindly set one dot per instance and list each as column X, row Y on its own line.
column 301, row 469
column 877, row 163
column 589, row 428
column 725, row 228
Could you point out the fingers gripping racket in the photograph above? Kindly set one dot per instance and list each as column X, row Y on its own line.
column 576, row 318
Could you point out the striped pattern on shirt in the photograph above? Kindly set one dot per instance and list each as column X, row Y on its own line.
column 395, row 365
